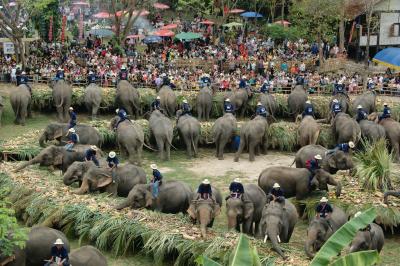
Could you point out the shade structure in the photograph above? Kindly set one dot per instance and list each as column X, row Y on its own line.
column 152, row 39
column 144, row 12
column 80, row 4
column 169, row 27
column 103, row 33
column 232, row 24
column 160, row 6
column 164, row 33
column 236, row 11
column 102, row 15
column 250, row 14
column 187, row 36
column 389, row 57
column 283, row 22
column 207, row 22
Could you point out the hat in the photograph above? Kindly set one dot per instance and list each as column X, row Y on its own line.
column 357, row 214
column 59, row 242
column 359, row 107
column 385, row 104
column 323, row 199
column 237, row 180
column 71, row 108
column 308, row 101
column 335, row 100
column 158, row 97
column 276, row 185
column 184, row 101
column 259, row 103
column 123, row 67
column 318, row 157
column 266, row 81
column 351, row 144
column 90, row 72
column 23, row 73
column 227, row 100
column 112, row 154
column 93, row 147
column 153, row 166
column 59, row 69
column 163, row 75
column 71, row 130
column 117, row 110
column 205, row 182
column 243, row 77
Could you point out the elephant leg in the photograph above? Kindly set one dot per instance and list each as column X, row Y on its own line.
column 264, row 146
column 188, row 144
column 196, row 146
column 23, row 115
column 221, row 146
column 396, row 151
column 139, row 151
column 257, row 230
column 66, row 113
column 248, row 226
column 252, row 149
column 208, row 111
column 29, row 110
column 199, row 113
column 60, row 117
column 167, row 151
column 160, row 145
column 240, row 150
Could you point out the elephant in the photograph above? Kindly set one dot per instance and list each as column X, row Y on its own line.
column 162, row 130
column 246, row 210
column 174, row 197
column 223, row 130
column 128, row 98
column 205, row 211
column 277, row 222
column 20, row 101
column 344, row 102
column 308, row 131
column 58, row 131
column 372, row 239
column 390, row 193
column 296, row 182
column 130, row 139
column 55, row 156
column 1, row 107
column 320, row 229
column 297, row 100
column 167, row 100
column 39, row 243
column 269, row 101
column 93, row 99
column 253, row 136
column 331, row 163
column 239, row 99
column 16, row 259
column 392, row 130
column 366, row 100
column 87, row 256
column 204, row 103
column 127, row 176
column 189, row 131
column 371, row 131
column 77, row 170
column 62, row 95
column 346, row 129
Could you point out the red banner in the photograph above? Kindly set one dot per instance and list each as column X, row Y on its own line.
column 64, row 23
column 226, row 10
column 51, row 29
column 81, row 26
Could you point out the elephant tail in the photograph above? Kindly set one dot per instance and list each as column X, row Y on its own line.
column 192, row 142
column 148, row 147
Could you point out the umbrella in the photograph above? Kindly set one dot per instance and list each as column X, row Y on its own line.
column 80, row 4
column 164, row 33
column 251, row 15
column 119, row 13
column 233, row 24
column 12, row 4
column 283, row 22
column 152, row 39
column 102, row 15
column 207, row 22
column 169, row 27
column 144, row 12
column 236, row 11
column 102, row 32
column 160, row 6
column 135, row 36
column 389, row 57
column 188, row 36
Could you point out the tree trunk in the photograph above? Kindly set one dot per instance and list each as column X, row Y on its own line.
column 320, row 51
column 341, row 33
column 366, row 59
column 283, row 10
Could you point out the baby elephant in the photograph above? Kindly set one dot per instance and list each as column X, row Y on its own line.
column 372, row 238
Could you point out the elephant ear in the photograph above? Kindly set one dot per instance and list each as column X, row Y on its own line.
column 248, row 206
column 331, row 161
column 104, row 181
column 192, row 211
column 149, row 199
column 217, row 210
column 58, row 133
column 58, row 159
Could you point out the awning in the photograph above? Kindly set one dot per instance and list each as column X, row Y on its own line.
column 236, row 11
column 186, row 36
column 102, row 15
column 251, row 15
column 169, row 27
column 160, row 6
column 152, row 39
column 164, row 33
column 389, row 57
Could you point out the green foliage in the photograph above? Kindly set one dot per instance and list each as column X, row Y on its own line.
column 342, row 238
column 374, row 166
column 367, row 257
column 11, row 235
column 41, row 11
column 195, row 6
column 279, row 33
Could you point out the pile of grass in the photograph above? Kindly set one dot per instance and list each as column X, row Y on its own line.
column 22, row 147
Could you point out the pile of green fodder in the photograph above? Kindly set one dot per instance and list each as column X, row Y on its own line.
column 41, row 199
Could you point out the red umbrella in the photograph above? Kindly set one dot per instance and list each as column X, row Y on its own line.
column 207, row 22
column 80, row 4
column 160, row 6
column 102, row 15
column 284, row 22
column 236, row 11
column 119, row 13
column 164, row 33
column 143, row 13
column 169, row 27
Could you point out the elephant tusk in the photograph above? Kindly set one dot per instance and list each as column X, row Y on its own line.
column 265, row 238
column 279, row 239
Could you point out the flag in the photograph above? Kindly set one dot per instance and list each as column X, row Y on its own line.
column 352, row 31
column 51, row 29
column 226, row 10
column 81, row 26
column 64, row 23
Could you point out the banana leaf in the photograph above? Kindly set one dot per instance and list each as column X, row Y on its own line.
column 256, row 258
column 242, row 255
column 365, row 258
column 342, row 237
column 205, row 261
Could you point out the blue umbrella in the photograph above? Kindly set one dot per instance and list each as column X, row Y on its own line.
column 152, row 39
column 250, row 14
column 389, row 57
column 102, row 32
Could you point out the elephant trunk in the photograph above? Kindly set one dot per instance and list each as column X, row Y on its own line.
column 338, row 189
column 122, row 205
column 274, row 236
column 43, row 140
column 232, row 221
column 35, row 160
column 309, row 246
column 84, row 187
column 353, row 249
column 68, row 179
column 204, row 216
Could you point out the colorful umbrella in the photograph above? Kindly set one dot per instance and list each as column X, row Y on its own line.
column 284, row 22
column 169, row 27
column 102, row 15
column 186, row 36
column 389, row 57
column 164, row 33
column 236, row 11
column 160, row 6
column 152, row 39
column 207, row 22
column 80, row 4
column 251, row 15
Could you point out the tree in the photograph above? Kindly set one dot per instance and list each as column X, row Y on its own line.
column 272, row 8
